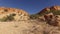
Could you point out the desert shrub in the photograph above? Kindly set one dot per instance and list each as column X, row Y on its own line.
column 8, row 18
column 34, row 16
column 55, row 12
column 3, row 19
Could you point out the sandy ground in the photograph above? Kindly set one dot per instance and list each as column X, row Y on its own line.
column 15, row 27
column 27, row 27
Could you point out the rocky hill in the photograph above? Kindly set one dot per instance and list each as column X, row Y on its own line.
column 53, row 9
column 50, row 16
column 12, row 13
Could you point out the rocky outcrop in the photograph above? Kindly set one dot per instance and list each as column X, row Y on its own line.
column 49, row 9
column 44, row 10
column 51, row 19
column 55, row 8
column 19, row 14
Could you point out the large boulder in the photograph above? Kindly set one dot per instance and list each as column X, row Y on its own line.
column 51, row 19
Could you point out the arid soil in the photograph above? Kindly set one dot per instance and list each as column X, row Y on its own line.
column 28, row 27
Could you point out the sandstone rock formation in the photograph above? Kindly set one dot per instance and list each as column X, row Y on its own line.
column 49, row 9
column 51, row 15
column 19, row 14
column 55, row 8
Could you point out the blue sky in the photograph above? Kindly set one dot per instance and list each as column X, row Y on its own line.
column 31, row 6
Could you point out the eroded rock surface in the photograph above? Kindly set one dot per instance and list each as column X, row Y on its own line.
column 18, row 14
column 51, row 19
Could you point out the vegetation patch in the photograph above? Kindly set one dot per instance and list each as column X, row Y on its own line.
column 8, row 18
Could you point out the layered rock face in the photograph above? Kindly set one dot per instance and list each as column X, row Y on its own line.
column 18, row 13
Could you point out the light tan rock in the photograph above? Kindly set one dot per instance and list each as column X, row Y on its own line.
column 20, row 14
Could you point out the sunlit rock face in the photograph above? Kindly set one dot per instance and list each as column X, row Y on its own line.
column 49, row 9
column 55, row 8
column 19, row 14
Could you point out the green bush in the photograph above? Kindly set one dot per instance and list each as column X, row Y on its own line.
column 55, row 12
column 8, row 18
column 3, row 19
column 34, row 16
